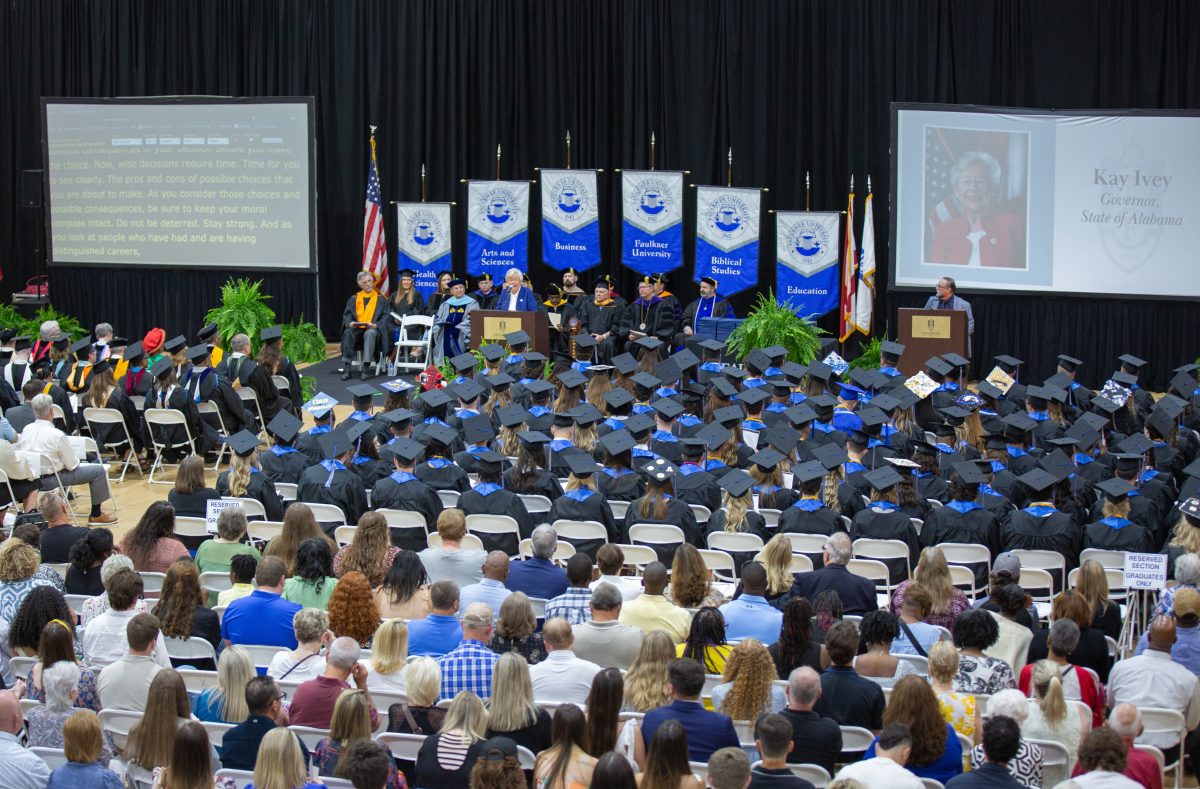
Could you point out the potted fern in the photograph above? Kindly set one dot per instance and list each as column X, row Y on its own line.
column 773, row 323
column 868, row 359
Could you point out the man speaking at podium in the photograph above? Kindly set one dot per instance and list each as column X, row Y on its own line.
column 946, row 298
column 515, row 297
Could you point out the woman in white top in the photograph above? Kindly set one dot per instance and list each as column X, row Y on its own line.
column 389, row 653
column 95, row 606
column 305, row 661
column 879, row 629
column 1050, row 717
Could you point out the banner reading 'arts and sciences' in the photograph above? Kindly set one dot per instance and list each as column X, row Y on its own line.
column 652, row 220
column 570, row 219
column 806, row 244
column 727, row 222
column 424, row 230
column 497, row 227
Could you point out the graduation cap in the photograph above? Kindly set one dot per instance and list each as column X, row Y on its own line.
column 516, row 338
column 954, row 415
column 1191, row 510
column 1192, row 469
column 1161, row 422
column 955, row 359
column 885, row 403
column 873, row 418
column 639, row 424
column 60, row 341
column 781, row 437
column 777, row 353
column 1084, row 434
column 736, row 482
column 733, row 373
column 488, row 460
column 939, row 366
column 995, row 441
column 396, row 386
column 196, row 353
column 443, row 434
column 133, row 352
column 756, row 361
column 1008, row 363
column 571, row 379
column 207, row 332
column 793, row 372
column 644, row 380
column 658, row 470
column 1068, row 363
column 808, row 471
column 399, row 415
column 467, row 391
column 561, row 419
column 624, row 363
column 1124, row 378
column 1066, row 443
column 893, row 350
column 822, row 402
column 1126, row 461
column 284, row 426
column 478, row 429
column 968, row 401
column 724, row 388
column 989, row 390
column 362, row 391
column 358, row 429
column 1131, row 361
column 498, row 381
column 512, row 415
column 617, row 441
column 685, row 359
column 712, row 346
column 1184, row 384
column 754, row 396
column 648, row 344
column 585, row 414
column 434, row 398
column 668, row 371
column 863, row 378
column 1058, row 464
column 581, row 464
column 585, row 341
column 667, row 408
column 1136, row 444
column 6, row 335
column 713, row 435
column 464, row 362
column 77, row 348
column 1037, row 480
column 491, row 352
column 175, row 344
column 800, row 414
column 820, row 371
column 1019, row 422
column 334, row 444
column 850, row 392
column 767, row 459
column 780, row 387
column 271, row 333
column 243, row 443
column 906, row 396
column 830, row 455
column 1171, row 405
column 618, row 398
column 883, row 479
column 1115, row 489
column 969, row 473
column 101, row 366
column 533, row 357
column 1038, row 393
column 537, row 387
column 1105, row 405
column 728, row 416
column 407, row 450
column 161, row 367
column 597, row 370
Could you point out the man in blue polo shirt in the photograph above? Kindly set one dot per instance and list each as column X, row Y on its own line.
column 750, row 615
column 439, row 632
column 539, row 576
column 263, row 616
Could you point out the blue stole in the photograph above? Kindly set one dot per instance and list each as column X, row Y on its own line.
column 756, row 425
column 638, row 452
column 688, row 420
column 1015, row 451
column 581, row 494
column 772, row 372
column 688, row 469
column 359, row 460
column 711, row 367
column 433, row 420
column 666, row 391
column 475, row 449
column 776, row 408
column 963, row 506
column 890, row 372
column 438, row 463
column 559, row 444
column 319, row 430
column 538, row 410
column 704, row 309
column 360, row 416
column 1083, row 458
column 515, row 358
column 997, row 467
column 988, row 490
column 642, row 408
column 753, row 383
column 947, row 387
column 614, row 423
column 1040, row 509
column 1116, row 523
column 945, row 449
column 713, row 463
column 853, row 466
column 466, row 413
column 581, row 367
column 279, row 451
column 885, row 506
column 400, row 477
column 487, row 488
column 616, row 473
column 823, row 427
column 796, row 398
column 665, row 436
column 922, row 474
column 333, row 467
column 1038, row 416
column 808, row 505
column 1148, row 475
column 874, row 442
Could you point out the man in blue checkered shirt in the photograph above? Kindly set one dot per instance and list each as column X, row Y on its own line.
column 470, row 665
column 572, row 605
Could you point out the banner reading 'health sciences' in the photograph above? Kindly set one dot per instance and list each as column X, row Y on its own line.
column 727, row 236
column 424, row 230
column 652, row 220
column 806, row 244
column 570, row 214
column 497, row 227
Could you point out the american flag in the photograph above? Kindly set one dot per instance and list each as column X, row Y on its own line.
column 939, row 161
column 849, row 274
column 374, row 258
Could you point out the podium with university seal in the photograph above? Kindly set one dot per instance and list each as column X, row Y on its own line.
column 926, row 333
column 491, row 326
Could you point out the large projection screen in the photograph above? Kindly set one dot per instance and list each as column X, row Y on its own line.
column 1096, row 202
column 182, row 181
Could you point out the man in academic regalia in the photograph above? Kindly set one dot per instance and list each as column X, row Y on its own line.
column 570, row 286
column 485, row 295
column 604, row 318
column 18, row 371
column 1041, row 526
column 490, row 498
column 709, row 305
column 401, row 490
column 204, row 384
column 241, row 370
column 556, row 304
column 332, row 482
column 363, row 321
column 672, row 303
column 284, row 462
column 648, row 315
column 452, row 323
column 77, row 378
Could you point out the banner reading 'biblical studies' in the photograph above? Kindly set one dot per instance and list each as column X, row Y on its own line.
column 424, row 230
column 652, row 220
column 727, row 222
column 497, row 227
column 570, row 219
column 806, row 244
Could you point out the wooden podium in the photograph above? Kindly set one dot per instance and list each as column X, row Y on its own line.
column 491, row 326
column 926, row 333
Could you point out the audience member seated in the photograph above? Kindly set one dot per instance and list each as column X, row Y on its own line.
column 241, row 574
column 606, row 731
column 263, row 616
column 312, row 703
column 469, row 665
column 42, row 437
column 891, row 751
column 24, row 637
column 566, row 762
column 706, row 731
column 125, row 683
column 446, row 758
column 370, row 552
column 878, row 630
column 1027, row 765
column 152, row 739
column 83, row 744
column 440, row 631
column 264, row 702
column 773, row 740
column 705, row 642
column 602, row 639
column 282, row 761
column 1012, row 644
column 1091, row 651
column 20, row 768
column 1140, row 766
column 1186, row 650
column 192, row 760
column 747, row 688
column 539, row 576
column 644, row 686
column 797, row 645
column 389, row 651
column 572, row 605
column 498, row 766
column 422, row 683
column 226, row 703
column 978, row 673
column 57, row 644
column 750, row 615
column 652, row 611
column 87, row 556
column 312, row 584
column 1187, row 573
column 31, row 535
column 562, row 676
column 191, row 493
column 815, row 740
column 181, row 611
column 490, row 589
column 1102, row 758
column 667, row 756
column 512, row 711
column 958, row 709
column 933, row 573
column 1092, row 585
column 351, row 723
column 610, row 559
column 516, row 628
column 450, row 561
column 216, row 555
column 105, row 639
column 298, row 525
column 311, row 628
column 1077, row 684
column 1001, row 739
column 95, row 606
column 44, row 723
column 846, row 697
column 59, row 533
column 369, row 765
column 914, row 609
column 404, row 593
column 152, row 543
column 936, row 752
column 691, row 580
column 18, row 575
column 857, row 594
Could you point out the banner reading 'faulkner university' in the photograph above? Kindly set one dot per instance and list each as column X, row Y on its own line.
column 570, row 219
column 727, row 236
column 424, row 230
column 806, row 244
column 652, row 220
column 497, row 227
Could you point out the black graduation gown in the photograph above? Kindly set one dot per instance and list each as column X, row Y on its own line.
column 343, row 488
column 259, row 487
column 559, row 344
column 849, row 500
column 498, row 501
column 585, row 505
column 880, row 524
column 755, row 524
column 411, row 495
column 976, row 526
column 379, row 319
column 1142, row 511
column 1051, row 532
column 798, row 519
column 202, row 436
column 931, row 486
column 678, row 514
column 442, row 474
column 779, row 499
column 104, row 433
column 136, row 382
column 820, row 437
column 626, row 487
column 247, row 372
column 698, row 487
column 596, row 319
column 284, row 464
column 544, row 484
column 655, row 319
column 309, row 444
column 688, row 319
column 667, row 446
column 370, row 471
column 1127, row 537
column 212, row 388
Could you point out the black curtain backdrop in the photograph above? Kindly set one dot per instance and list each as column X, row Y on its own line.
column 791, row 85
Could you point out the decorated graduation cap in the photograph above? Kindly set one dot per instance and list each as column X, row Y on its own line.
column 658, row 471
column 396, row 386
column 617, row 441
column 512, row 415
column 271, row 334
column 492, row 352
column 736, row 482
column 284, row 426
column 320, row 405
column 624, row 363
column 1190, row 509
column 581, row 464
column 883, row 479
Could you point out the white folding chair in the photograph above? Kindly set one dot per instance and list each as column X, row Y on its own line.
column 262, row 532
column 1043, row 560
column 344, row 535
column 921, row 664
column 118, row 723
column 405, row 344
column 700, row 770
column 405, row 520
column 720, row 564
column 209, row 408
column 734, row 542
column 470, row 542
column 58, row 567
column 638, row 556
column 167, row 420
column 240, row 778
column 1114, row 560
column 1157, row 720
column 534, row 503
column 855, row 740
column 579, row 531
column 1055, row 761
column 963, row 578
column 252, row 508
column 656, row 534
column 21, row 666
column 771, row 517
column 1035, row 578
column 250, row 398
column 701, row 512
column 111, row 416
column 808, row 544
column 198, row 681
column 28, row 706
column 883, row 550
column 193, row 648
column 215, row 582
column 216, row 731
column 562, row 551
column 327, row 513
column 619, row 508
column 186, row 526
column 968, row 554
column 53, row 757
column 539, row 607
column 75, row 601
column 495, row 525
column 152, row 583
column 310, row 735
column 283, row 385
column 261, row 654
column 404, row 747
column 449, row 498
column 874, row 570
column 287, row 491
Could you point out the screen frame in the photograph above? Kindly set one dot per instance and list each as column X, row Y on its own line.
column 973, row 109
column 309, row 103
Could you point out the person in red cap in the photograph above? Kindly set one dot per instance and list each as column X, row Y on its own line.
column 152, row 345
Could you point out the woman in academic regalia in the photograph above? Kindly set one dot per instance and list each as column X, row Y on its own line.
column 810, row 514
column 137, row 380
column 245, row 480
column 736, row 516
column 283, row 462
column 1115, row 531
column 271, row 358
column 582, row 502
column 103, row 392
column 441, row 294
column 659, row 505
column 452, row 323
column 529, row 475
column 366, row 463
column 618, row 481
column 884, row 520
column 168, row 394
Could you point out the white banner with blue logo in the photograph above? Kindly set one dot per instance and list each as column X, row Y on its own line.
column 570, row 219
column 652, row 220
column 424, row 241
column 727, row 236
column 806, row 244
column 497, row 227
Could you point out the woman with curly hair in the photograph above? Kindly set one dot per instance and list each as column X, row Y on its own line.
column 40, row 607
column 152, row 543
column 298, row 525
column 827, row 610
column 645, row 682
column 748, row 687
column 313, row 583
column 706, row 642
column 58, row 644
column 404, row 593
column 933, row 573
column 181, row 612
column 515, row 626
column 936, row 751
column 86, row 556
column 352, row 609
column 19, row 564
column 690, row 585
column 371, row 552
column 978, row 673
column 879, row 629
column 796, row 646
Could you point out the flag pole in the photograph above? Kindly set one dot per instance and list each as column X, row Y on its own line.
column 729, row 167
column 568, row 149
column 497, row 161
column 808, row 191
column 422, row 182
column 652, row 146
